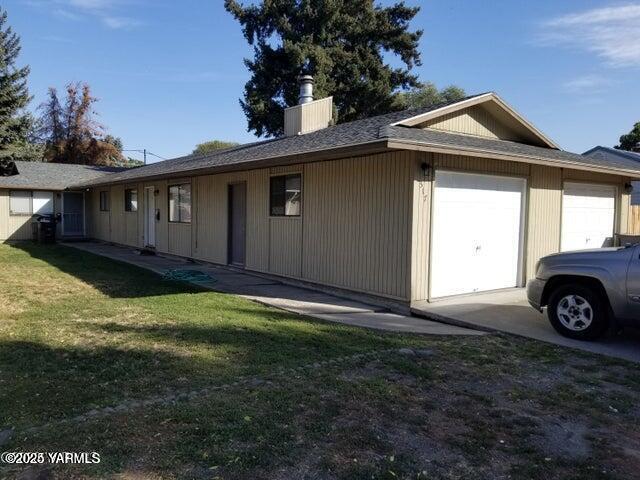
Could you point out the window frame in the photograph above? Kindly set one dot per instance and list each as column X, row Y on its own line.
column 106, row 206
column 179, row 186
column 128, row 204
column 285, row 176
column 16, row 214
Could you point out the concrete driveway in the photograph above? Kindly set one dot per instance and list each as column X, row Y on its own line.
column 508, row 311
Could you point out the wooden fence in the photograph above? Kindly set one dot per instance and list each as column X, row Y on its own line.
column 634, row 220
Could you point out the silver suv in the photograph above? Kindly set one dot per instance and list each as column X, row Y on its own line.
column 585, row 291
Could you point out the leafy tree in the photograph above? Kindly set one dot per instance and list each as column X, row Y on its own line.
column 631, row 140
column 72, row 135
column 428, row 95
column 115, row 141
column 15, row 124
column 212, row 146
column 342, row 43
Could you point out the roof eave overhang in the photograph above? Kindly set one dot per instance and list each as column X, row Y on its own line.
column 475, row 152
column 46, row 188
column 354, row 150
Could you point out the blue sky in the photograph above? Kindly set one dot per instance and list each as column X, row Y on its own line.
column 169, row 74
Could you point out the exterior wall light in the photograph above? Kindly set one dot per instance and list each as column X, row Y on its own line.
column 426, row 168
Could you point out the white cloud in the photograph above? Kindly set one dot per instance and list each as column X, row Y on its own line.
column 612, row 33
column 589, row 84
column 108, row 12
column 118, row 23
column 92, row 4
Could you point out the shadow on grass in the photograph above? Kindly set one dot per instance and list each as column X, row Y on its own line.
column 112, row 278
column 40, row 382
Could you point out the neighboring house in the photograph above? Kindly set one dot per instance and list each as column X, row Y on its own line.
column 414, row 205
column 606, row 154
column 40, row 188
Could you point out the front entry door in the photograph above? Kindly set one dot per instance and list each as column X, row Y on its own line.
column 149, row 217
column 237, row 223
column 73, row 214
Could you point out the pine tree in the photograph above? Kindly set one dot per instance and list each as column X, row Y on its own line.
column 15, row 124
column 342, row 43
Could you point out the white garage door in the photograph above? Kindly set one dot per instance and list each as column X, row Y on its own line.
column 477, row 233
column 588, row 216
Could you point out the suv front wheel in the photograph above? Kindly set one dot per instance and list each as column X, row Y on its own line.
column 577, row 311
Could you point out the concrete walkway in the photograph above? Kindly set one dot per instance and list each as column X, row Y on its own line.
column 270, row 292
column 508, row 311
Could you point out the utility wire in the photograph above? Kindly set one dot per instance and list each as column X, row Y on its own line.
column 144, row 152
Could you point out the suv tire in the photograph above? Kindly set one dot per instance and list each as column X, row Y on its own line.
column 578, row 311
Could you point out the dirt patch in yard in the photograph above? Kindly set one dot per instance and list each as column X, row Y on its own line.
column 398, row 416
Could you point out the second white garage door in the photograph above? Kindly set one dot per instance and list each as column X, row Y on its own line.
column 477, row 233
column 588, row 216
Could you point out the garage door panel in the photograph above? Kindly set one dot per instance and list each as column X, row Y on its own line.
column 588, row 216
column 476, row 243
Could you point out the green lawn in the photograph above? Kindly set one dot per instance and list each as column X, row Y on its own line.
column 80, row 332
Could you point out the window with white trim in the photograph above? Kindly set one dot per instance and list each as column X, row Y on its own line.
column 20, row 202
column 27, row 202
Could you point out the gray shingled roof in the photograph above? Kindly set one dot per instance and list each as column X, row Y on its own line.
column 343, row 135
column 379, row 128
column 53, row 176
column 435, row 137
column 607, row 153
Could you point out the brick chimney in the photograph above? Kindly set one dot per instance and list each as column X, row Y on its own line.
column 309, row 115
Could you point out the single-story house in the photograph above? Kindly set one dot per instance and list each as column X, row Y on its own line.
column 414, row 205
column 39, row 188
column 606, row 154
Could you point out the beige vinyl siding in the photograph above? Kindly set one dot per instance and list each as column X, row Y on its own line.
column 212, row 215
column 479, row 165
column 475, row 121
column 544, row 215
column 421, row 227
column 18, row 227
column 258, row 221
column 365, row 223
column 179, row 240
column 308, row 117
column 99, row 226
column 285, row 246
column 357, row 223
column 13, row 227
column 118, row 220
column 353, row 232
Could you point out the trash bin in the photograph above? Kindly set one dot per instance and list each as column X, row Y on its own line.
column 45, row 229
